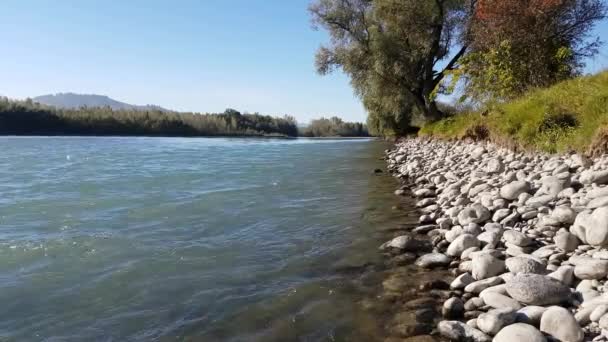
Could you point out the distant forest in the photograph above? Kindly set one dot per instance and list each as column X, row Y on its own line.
column 334, row 127
column 31, row 118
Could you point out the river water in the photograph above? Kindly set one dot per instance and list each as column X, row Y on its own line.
column 139, row 239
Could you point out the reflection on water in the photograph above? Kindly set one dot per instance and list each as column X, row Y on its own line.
column 194, row 239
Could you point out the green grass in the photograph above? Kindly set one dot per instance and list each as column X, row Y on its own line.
column 565, row 117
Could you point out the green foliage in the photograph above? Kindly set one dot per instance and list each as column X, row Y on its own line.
column 521, row 45
column 501, row 73
column 561, row 118
column 334, row 127
column 28, row 118
column 395, row 52
column 401, row 55
column 491, row 74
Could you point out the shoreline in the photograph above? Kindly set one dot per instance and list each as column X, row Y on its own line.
column 269, row 137
column 521, row 234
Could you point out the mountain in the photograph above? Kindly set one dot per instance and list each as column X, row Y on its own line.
column 71, row 100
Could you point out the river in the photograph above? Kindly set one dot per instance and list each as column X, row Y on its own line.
column 218, row 239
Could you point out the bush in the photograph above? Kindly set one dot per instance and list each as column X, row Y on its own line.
column 568, row 116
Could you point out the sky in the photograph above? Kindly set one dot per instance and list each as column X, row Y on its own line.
column 185, row 55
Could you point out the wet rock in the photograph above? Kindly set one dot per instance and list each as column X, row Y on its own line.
column 400, row 192
column 433, row 260
column 404, row 243
column 453, row 308
column 424, row 229
column 410, row 329
column 458, row 331
column 462, row 281
column 420, row 303
column 424, row 193
column 426, row 315
column 436, row 284
column 461, row 243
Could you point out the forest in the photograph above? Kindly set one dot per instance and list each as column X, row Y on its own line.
column 31, row 118
column 334, row 127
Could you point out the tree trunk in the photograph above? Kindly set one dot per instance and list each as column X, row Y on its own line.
column 428, row 107
column 434, row 113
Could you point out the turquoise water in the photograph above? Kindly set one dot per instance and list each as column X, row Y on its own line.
column 168, row 239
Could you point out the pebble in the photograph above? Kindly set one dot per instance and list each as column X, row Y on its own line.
column 518, row 231
column 519, row 332
column 560, row 324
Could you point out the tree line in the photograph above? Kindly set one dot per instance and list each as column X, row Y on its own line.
column 334, row 127
column 28, row 117
column 31, row 118
column 401, row 55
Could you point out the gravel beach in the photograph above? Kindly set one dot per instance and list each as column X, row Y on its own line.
column 524, row 237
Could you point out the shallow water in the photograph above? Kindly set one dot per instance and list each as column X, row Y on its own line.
column 192, row 239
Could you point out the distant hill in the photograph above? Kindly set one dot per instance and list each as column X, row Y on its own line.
column 72, row 101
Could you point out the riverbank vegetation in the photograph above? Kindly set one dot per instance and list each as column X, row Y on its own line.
column 514, row 65
column 572, row 115
column 29, row 118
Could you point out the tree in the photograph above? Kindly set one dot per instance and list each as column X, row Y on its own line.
column 400, row 54
column 520, row 44
column 396, row 52
column 334, row 127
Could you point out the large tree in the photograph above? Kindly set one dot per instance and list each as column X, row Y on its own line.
column 396, row 52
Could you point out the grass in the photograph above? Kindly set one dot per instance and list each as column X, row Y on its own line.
column 570, row 116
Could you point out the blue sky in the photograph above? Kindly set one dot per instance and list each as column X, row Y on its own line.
column 188, row 55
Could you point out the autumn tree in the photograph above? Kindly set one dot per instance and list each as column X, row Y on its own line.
column 520, row 44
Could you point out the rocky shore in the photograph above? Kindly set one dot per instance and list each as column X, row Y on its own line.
column 524, row 236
